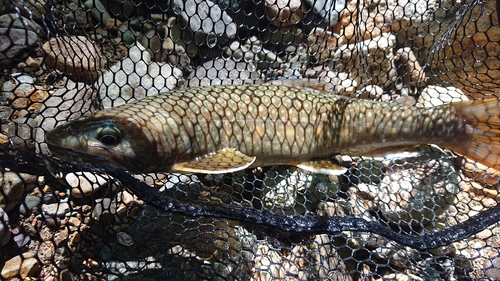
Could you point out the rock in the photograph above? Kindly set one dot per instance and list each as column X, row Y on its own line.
column 76, row 56
column 76, row 15
column 12, row 267
column 84, row 184
column 322, row 44
column 166, row 43
column 329, row 10
column 29, row 268
column 418, row 191
column 5, row 229
column 46, row 252
column 124, row 238
column 364, row 20
column 434, row 95
column 254, row 53
column 286, row 190
column 409, row 68
column 136, row 77
column 21, row 103
column 30, row 202
column 13, row 187
column 56, row 209
column 213, row 25
column 16, row 35
column 21, row 132
column 377, row 57
column 492, row 268
column 39, row 96
column 98, row 11
column 104, row 211
column 224, row 72
column 281, row 38
column 283, row 13
column 64, row 104
column 20, row 85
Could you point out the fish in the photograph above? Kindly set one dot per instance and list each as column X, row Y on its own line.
column 224, row 129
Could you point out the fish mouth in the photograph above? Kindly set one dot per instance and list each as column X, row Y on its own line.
column 73, row 156
column 61, row 141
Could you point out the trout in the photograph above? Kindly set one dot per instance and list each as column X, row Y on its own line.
column 221, row 129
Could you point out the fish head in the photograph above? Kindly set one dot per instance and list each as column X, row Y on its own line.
column 102, row 140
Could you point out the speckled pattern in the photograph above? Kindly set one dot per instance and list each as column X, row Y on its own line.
column 272, row 124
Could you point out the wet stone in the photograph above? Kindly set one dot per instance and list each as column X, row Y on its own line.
column 29, row 268
column 5, row 233
column 328, row 9
column 84, row 184
column 12, row 267
column 17, row 34
column 124, row 238
column 136, row 77
column 56, row 209
column 76, row 56
column 30, row 202
column 14, row 186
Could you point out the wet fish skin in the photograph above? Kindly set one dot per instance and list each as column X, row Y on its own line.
column 227, row 128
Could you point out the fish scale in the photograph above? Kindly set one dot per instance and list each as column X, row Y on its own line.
column 221, row 129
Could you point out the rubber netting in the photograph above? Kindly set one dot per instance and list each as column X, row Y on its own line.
column 425, row 215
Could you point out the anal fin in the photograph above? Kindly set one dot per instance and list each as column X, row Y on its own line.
column 227, row 160
column 326, row 166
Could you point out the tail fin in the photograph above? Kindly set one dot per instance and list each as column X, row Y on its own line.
column 482, row 139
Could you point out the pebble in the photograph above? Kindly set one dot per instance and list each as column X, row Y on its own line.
column 418, row 192
column 328, row 9
column 124, row 238
column 13, row 187
column 84, row 184
column 29, row 268
column 56, row 209
column 434, row 95
column 492, row 268
column 282, row 13
column 104, row 210
column 285, row 190
column 12, row 267
column 20, row 86
column 64, row 104
column 30, row 203
column 224, row 72
column 5, row 229
column 98, row 11
column 20, row 267
column 76, row 56
column 17, row 34
column 136, row 77
column 46, row 252
column 410, row 70
column 370, row 61
column 208, row 18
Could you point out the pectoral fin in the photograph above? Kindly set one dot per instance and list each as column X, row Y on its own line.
column 322, row 166
column 227, row 160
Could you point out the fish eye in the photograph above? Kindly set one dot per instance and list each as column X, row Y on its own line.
column 108, row 136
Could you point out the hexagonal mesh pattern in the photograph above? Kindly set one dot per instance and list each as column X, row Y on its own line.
column 429, row 213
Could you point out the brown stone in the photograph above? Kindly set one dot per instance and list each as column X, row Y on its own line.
column 21, row 103
column 283, row 13
column 29, row 268
column 39, row 96
column 76, row 56
column 469, row 59
column 11, row 267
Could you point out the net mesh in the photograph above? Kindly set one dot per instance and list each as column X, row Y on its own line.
column 430, row 215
